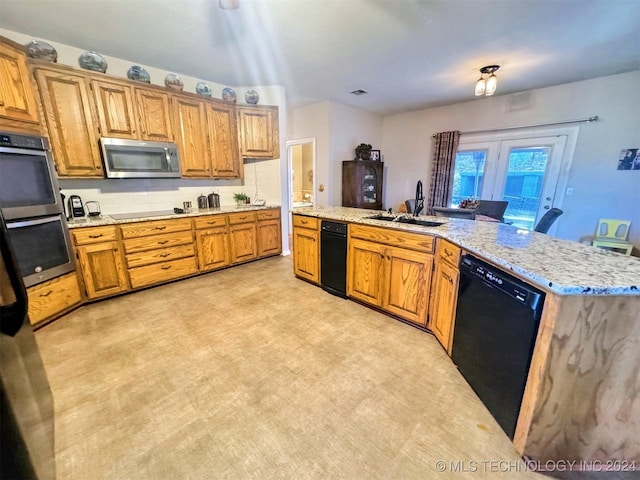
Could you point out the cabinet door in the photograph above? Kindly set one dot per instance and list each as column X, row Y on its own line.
column 365, row 273
column 408, row 279
column 243, row 242
column 102, row 269
column 69, row 115
column 114, row 102
column 223, row 140
column 269, row 242
column 259, row 132
column 154, row 119
column 213, row 248
column 17, row 99
column 444, row 308
column 191, row 136
column 51, row 298
column 306, row 251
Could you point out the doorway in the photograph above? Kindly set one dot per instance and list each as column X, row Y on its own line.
column 527, row 170
column 301, row 156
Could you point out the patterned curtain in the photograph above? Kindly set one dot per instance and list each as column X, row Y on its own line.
column 442, row 167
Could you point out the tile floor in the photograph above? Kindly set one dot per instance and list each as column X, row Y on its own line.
column 251, row 373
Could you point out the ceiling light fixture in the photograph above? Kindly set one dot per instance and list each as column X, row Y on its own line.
column 229, row 4
column 487, row 86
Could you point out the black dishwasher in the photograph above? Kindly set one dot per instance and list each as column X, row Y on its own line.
column 333, row 258
column 497, row 318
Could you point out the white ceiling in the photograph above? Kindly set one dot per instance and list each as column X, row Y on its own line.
column 408, row 54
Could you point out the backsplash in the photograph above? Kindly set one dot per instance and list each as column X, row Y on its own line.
column 141, row 195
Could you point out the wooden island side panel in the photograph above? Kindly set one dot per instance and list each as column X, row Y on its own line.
column 587, row 405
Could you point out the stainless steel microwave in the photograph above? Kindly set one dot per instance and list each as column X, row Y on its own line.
column 139, row 158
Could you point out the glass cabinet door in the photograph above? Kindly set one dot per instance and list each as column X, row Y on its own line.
column 369, row 186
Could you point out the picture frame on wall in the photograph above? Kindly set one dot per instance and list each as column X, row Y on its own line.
column 375, row 155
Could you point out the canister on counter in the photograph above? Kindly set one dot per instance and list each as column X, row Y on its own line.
column 203, row 203
column 214, row 200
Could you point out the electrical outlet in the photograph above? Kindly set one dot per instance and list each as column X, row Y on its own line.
column 569, row 190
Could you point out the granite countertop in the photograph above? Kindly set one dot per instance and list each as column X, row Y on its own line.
column 553, row 264
column 116, row 219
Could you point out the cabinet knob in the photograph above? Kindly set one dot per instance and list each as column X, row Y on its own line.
column 1, row 103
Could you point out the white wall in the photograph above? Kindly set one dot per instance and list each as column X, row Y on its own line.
column 599, row 190
column 338, row 130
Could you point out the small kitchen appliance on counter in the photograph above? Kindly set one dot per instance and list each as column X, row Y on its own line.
column 76, row 208
column 93, row 208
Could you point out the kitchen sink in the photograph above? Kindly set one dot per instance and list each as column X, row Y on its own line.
column 409, row 220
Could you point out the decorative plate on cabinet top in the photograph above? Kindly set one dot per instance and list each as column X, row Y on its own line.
column 136, row 72
column 93, row 61
column 229, row 95
column 173, row 82
column 41, row 50
column 203, row 89
column 251, row 97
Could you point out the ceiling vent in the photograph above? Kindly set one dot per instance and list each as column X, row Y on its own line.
column 359, row 92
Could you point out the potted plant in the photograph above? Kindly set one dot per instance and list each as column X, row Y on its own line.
column 240, row 198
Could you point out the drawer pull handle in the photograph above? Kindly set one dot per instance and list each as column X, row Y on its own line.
column 46, row 294
column 160, row 228
column 448, row 253
column 303, row 222
column 162, row 242
column 211, row 223
column 96, row 236
column 166, row 267
column 164, row 255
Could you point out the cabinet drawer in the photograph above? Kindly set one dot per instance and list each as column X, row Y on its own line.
column 85, row 236
column 161, row 272
column 159, row 255
column 396, row 238
column 159, row 241
column 144, row 229
column 268, row 214
column 245, row 217
column 305, row 222
column 210, row 221
column 53, row 297
column 449, row 252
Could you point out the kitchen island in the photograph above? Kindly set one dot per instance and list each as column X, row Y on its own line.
column 580, row 401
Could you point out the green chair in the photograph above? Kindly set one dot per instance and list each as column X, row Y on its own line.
column 612, row 235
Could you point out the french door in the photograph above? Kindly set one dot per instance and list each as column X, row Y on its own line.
column 523, row 171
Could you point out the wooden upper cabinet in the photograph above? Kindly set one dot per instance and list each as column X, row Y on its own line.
column 190, row 125
column 259, row 132
column 68, row 111
column 154, row 118
column 114, row 102
column 223, row 140
column 17, row 99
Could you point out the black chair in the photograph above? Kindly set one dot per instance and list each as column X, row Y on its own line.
column 492, row 208
column 547, row 220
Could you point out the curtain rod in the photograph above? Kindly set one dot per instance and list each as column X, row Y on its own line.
column 581, row 120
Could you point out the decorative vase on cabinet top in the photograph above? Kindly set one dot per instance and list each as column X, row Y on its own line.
column 203, row 89
column 251, row 97
column 41, row 51
column 229, row 95
column 93, row 61
column 173, row 82
column 136, row 72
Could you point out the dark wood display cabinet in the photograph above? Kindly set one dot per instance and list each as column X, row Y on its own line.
column 362, row 184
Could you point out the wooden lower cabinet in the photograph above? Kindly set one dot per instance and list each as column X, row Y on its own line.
column 445, row 295
column 102, row 269
column 243, row 236
column 392, row 278
column 51, row 298
column 444, row 304
column 162, row 272
column 306, row 248
column 213, row 248
column 269, row 233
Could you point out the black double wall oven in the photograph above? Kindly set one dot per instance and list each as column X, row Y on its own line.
column 33, row 209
